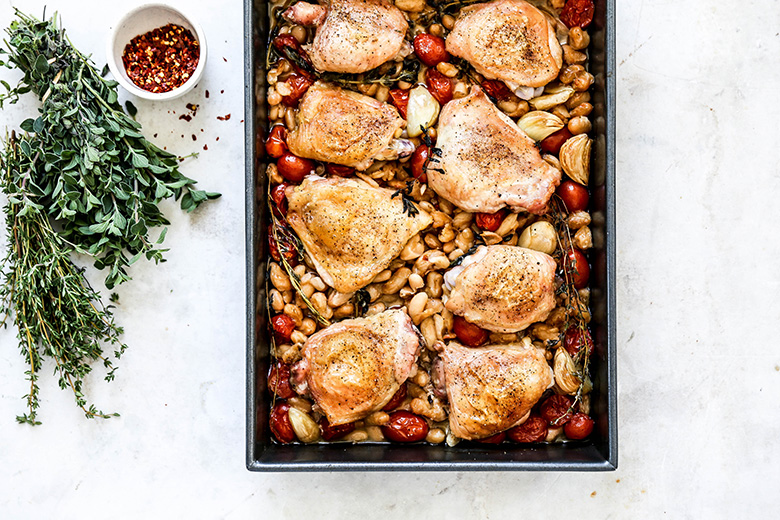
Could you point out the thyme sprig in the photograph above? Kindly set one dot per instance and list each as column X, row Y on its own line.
column 56, row 312
column 96, row 174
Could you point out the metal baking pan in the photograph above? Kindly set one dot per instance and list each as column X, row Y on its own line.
column 598, row 453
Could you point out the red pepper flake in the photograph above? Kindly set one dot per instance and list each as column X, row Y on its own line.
column 224, row 59
column 207, row 94
column 162, row 59
column 194, row 137
column 217, row 138
column 205, row 147
column 221, row 91
column 186, row 117
column 193, row 108
column 155, row 135
column 224, row 118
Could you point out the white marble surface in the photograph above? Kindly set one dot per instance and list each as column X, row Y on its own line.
column 699, row 364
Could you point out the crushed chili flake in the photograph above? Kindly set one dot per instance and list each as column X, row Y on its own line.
column 207, row 94
column 224, row 118
column 186, row 117
column 194, row 108
column 194, row 137
column 205, row 147
column 162, row 59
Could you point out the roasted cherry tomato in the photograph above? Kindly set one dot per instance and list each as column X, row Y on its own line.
column 276, row 144
column 280, row 423
column 494, row 439
column 496, row 89
column 396, row 400
column 288, row 41
column 299, row 85
column 332, row 433
column 553, row 142
column 339, row 170
column 419, row 158
column 577, row 266
column 574, row 196
column 439, row 85
column 469, row 334
column 579, row 426
column 534, row 429
column 400, row 100
column 556, row 410
column 273, row 249
column 490, row 221
column 430, row 49
column 294, row 168
column 575, row 340
column 279, row 197
column 404, row 426
column 577, row 13
column 283, row 326
column 279, row 380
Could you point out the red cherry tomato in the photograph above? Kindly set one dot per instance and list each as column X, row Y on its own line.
column 339, row 170
column 430, row 49
column 400, row 100
column 273, row 249
column 575, row 196
column 439, row 85
column 279, row 197
column 494, row 439
column 404, row 426
column 299, row 85
column 553, row 142
column 575, row 339
column 496, row 89
column 332, row 433
column 284, row 41
column 579, row 426
column 577, row 266
column 577, row 13
column 534, row 429
column 294, row 168
column 276, row 144
column 283, row 326
column 279, row 380
column 490, row 221
column 419, row 158
column 556, row 410
column 469, row 334
column 396, row 400
column 280, row 423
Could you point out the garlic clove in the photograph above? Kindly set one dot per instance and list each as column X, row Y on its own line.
column 422, row 111
column 575, row 158
column 553, row 96
column 539, row 236
column 565, row 372
column 538, row 125
column 303, row 425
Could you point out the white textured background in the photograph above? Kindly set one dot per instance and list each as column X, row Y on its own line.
column 699, row 359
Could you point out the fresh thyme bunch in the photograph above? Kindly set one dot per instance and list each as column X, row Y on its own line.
column 100, row 179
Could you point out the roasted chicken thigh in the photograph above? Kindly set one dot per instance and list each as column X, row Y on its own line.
column 354, row 367
column 508, row 40
column 503, row 288
column 493, row 388
column 350, row 229
column 344, row 127
column 352, row 35
column 487, row 162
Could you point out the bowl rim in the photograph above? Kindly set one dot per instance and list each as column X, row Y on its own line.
column 117, row 68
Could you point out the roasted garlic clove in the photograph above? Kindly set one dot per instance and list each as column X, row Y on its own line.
column 303, row 425
column 552, row 97
column 575, row 158
column 539, row 236
column 422, row 111
column 538, row 125
column 565, row 372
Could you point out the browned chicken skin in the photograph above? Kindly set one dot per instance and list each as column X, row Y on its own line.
column 509, row 40
column 503, row 288
column 343, row 127
column 350, row 229
column 354, row 367
column 352, row 35
column 488, row 163
column 493, row 388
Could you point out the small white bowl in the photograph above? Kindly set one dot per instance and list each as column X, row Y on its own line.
column 140, row 21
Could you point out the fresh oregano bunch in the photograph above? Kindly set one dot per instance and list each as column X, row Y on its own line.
column 99, row 178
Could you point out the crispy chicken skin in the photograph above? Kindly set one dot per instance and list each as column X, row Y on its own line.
column 343, row 127
column 350, row 229
column 352, row 35
column 488, row 162
column 354, row 367
column 503, row 288
column 491, row 389
column 509, row 40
